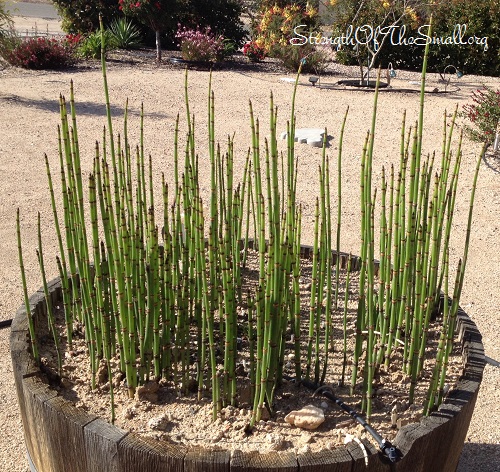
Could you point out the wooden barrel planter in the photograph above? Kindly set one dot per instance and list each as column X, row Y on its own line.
column 62, row 438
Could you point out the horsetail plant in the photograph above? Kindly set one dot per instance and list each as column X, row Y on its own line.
column 160, row 285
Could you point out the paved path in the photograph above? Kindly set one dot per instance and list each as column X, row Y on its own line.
column 45, row 11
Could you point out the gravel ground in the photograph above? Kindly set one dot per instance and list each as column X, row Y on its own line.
column 28, row 120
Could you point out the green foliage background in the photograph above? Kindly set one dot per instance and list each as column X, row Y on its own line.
column 223, row 16
column 482, row 18
column 82, row 16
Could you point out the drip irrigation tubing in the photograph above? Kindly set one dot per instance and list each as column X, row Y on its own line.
column 5, row 324
column 390, row 451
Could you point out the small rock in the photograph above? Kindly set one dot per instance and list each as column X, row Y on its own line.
column 160, row 423
column 265, row 416
column 309, row 417
column 308, row 438
column 128, row 413
column 345, row 424
column 400, row 405
column 276, row 441
column 217, row 437
column 245, row 394
column 102, row 372
column 403, row 422
column 147, row 392
column 324, row 405
column 66, row 383
column 416, row 416
column 394, row 416
column 305, row 449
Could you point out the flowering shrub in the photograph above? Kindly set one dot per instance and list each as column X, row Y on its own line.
column 253, row 51
column 276, row 26
column 139, row 7
column 73, row 40
column 197, row 45
column 43, row 52
column 484, row 114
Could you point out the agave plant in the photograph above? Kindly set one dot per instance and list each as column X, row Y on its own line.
column 126, row 34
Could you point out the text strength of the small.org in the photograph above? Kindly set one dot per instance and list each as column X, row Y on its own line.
column 396, row 34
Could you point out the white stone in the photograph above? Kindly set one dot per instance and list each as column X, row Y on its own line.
column 309, row 417
column 311, row 136
column 160, row 423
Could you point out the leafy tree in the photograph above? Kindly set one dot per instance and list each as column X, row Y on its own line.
column 159, row 15
column 163, row 16
column 481, row 19
column 8, row 39
column 82, row 16
column 222, row 16
column 371, row 23
column 6, row 22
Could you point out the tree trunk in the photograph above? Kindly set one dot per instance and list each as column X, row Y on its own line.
column 158, row 46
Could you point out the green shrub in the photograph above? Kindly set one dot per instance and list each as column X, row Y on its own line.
column 222, row 16
column 126, row 35
column 6, row 22
column 229, row 47
column 311, row 59
column 40, row 53
column 6, row 30
column 481, row 18
column 90, row 47
column 82, row 16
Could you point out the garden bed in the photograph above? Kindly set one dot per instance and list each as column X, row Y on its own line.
column 49, row 420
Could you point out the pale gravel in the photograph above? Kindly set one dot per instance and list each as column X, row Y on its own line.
column 28, row 120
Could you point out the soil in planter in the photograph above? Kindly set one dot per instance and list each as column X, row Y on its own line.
column 159, row 411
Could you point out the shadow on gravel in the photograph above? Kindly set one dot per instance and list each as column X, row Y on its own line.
column 492, row 161
column 479, row 457
column 82, row 108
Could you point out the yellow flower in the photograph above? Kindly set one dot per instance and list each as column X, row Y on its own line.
column 412, row 15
